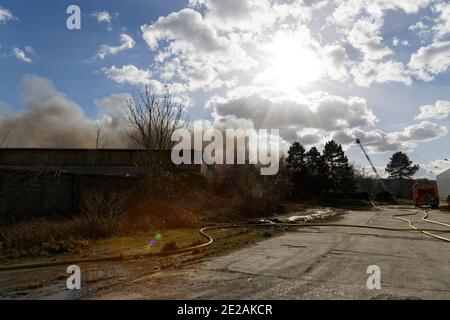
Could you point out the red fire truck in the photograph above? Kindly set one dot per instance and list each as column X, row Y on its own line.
column 426, row 195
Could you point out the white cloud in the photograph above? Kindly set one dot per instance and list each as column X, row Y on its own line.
column 442, row 26
column 126, row 42
column 215, row 44
column 396, row 41
column 440, row 110
column 128, row 74
column 228, row 12
column 6, row 15
column 434, row 58
column 186, row 30
column 378, row 141
column 29, row 49
column 205, row 58
column 21, row 55
column 431, row 60
column 433, row 168
column 104, row 17
column 318, row 110
column 368, row 72
column 335, row 61
column 424, row 131
column 255, row 16
column 361, row 22
column 365, row 36
column 421, row 29
column 348, row 10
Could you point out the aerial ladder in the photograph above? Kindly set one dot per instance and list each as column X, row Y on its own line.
column 380, row 180
column 358, row 141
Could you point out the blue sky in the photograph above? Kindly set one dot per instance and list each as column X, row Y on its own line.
column 377, row 70
column 61, row 54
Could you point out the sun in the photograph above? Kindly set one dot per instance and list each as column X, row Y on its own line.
column 291, row 64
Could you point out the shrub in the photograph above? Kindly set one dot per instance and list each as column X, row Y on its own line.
column 104, row 205
column 157, row 214
column 41, row 236
column 251, row 194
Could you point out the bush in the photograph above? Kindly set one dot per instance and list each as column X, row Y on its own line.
column 250, row 193
column 157, row 214
column 41, row 236
column 104, row 205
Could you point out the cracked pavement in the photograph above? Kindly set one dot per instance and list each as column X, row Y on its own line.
column 324, row 263
column 306, row 263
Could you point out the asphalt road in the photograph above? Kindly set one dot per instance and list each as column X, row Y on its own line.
column 314, row 263
column 307, row 263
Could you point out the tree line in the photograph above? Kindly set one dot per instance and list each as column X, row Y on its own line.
column 329, row 174
column 154, row 117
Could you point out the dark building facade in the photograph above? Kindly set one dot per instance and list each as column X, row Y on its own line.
column 51, row 182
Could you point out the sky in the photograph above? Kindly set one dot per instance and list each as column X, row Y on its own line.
column 375, row 70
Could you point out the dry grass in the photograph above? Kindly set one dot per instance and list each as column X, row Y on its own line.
column 43, row 237
column 245, row 194
column 39, row 237
column 157, row 214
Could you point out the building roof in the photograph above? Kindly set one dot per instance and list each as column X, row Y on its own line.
column 122, row 162
column 445, row 173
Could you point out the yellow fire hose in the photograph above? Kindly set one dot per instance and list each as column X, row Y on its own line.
column 425, row 218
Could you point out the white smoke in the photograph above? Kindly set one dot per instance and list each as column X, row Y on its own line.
column 51, row 120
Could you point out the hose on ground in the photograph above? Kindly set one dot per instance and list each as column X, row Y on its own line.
column 204, row 234
column 425, row 218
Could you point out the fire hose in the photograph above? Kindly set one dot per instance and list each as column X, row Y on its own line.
column 425, row 218
column 210, row 240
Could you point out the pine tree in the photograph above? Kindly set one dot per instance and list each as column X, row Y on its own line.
column 316, row 172
column 296, row 166
column 296, row 157
column 400, row 167
column 314, row 161
column 339, row 174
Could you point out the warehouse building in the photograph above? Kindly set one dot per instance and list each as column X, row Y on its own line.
column 443, row 182
column 49, row 182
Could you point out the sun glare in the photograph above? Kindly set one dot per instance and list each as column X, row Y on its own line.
column 291, row 64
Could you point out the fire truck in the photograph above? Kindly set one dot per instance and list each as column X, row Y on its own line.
column 426, row 195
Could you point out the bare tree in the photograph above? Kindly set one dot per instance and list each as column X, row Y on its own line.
column 153, row 118
column 4, row 140
column 100, row 140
